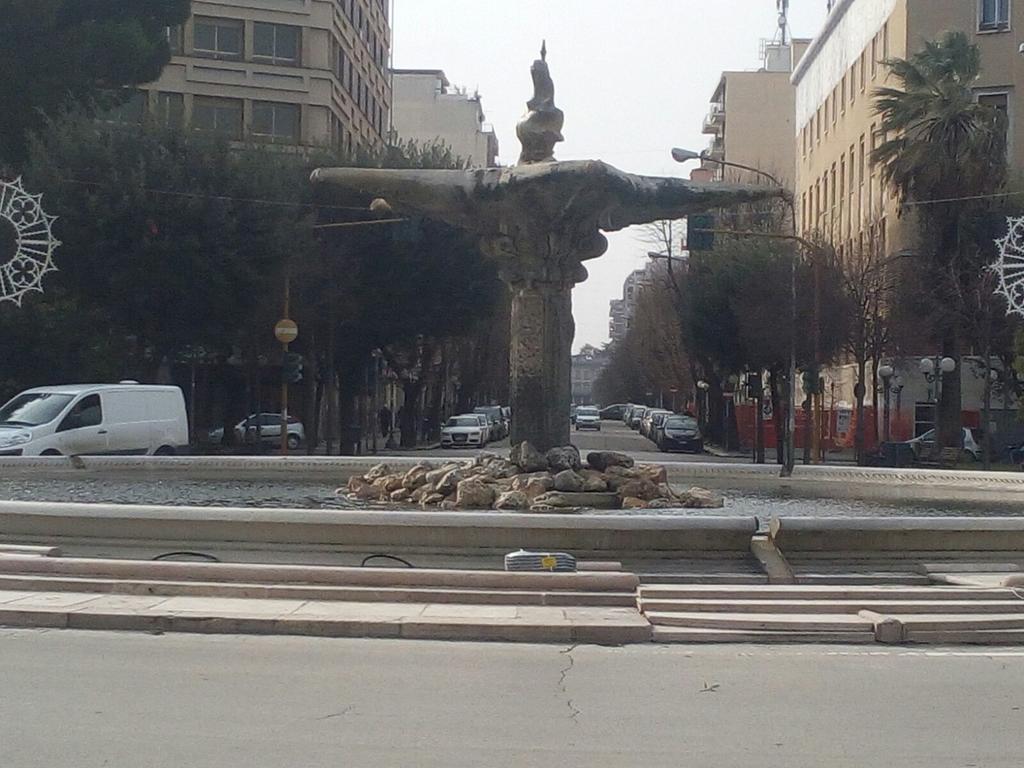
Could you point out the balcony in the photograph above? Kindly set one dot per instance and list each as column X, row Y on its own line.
column 714, row 121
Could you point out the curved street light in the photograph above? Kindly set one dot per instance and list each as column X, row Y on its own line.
column 685, row 155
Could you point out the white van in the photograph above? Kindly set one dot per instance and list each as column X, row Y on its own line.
column 91, row 419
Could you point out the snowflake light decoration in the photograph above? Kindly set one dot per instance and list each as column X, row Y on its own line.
column 1009, row 268
column 34, row 242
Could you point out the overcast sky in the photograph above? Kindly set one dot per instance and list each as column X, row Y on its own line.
column 633, row 77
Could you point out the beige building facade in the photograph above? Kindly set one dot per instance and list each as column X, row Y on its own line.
column 750, row 120
column 840, row 196
column 426, row 109
column 303, row 72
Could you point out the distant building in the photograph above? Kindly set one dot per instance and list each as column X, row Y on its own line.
column 586, row 367
column 622, row 311
column 426, row 110
column 304, row 72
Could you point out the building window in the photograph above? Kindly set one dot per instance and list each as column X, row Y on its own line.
column 885, row 41
column 174, row 39
column 276, row 122
column 842, row 94
column 994, row 15
column 218, row 38
column 170, row 109
column 874, row 57
column 1001, row 102
column 221, row 116
column 276, row 43
column 863, row 70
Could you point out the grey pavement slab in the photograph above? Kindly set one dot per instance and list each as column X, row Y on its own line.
column 124, row 700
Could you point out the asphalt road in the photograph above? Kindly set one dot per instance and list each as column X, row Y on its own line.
column 140, row 701
column 614, row 436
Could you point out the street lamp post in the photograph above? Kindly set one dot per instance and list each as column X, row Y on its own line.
column 891, row 385
column 684, row 155
column 934, row 370
column 703, row 386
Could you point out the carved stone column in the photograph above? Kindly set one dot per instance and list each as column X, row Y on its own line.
column 541, row 362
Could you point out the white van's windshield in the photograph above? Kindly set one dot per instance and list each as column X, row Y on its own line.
column 33, row 409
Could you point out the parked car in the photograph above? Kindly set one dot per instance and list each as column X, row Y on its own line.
column 924, row 445
column 588, row 417
column 264, row 428
column 468, row 430
column 496, row 416
column 656, row 421
column 657, row 424
column 91, row 419
column 647, row 423
column 613, row 412
column 681, row 433
column 636, row 416
column 628, row 413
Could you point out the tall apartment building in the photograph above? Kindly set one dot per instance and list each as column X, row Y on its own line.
column 623, row 311
column 426, row 110
column 839, row 194
column 307, row 72
column 751, row 118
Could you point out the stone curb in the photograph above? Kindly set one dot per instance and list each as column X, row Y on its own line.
column 376, row 530
column 606, row 629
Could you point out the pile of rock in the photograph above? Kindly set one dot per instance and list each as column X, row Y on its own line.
column 530, row 480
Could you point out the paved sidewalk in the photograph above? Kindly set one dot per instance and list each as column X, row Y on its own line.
column 220, row 615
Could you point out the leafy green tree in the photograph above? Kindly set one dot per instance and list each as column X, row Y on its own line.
column 57, row 53
column 944, row 151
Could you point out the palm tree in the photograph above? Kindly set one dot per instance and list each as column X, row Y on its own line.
column 943, row 153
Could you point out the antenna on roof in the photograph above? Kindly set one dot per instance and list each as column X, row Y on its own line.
column 783, row 7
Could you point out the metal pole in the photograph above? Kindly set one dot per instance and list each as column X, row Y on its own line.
column 886, row 419
column 284, row 381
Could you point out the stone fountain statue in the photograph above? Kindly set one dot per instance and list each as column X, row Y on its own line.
column 539, row 221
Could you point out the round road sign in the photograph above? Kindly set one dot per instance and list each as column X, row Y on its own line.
column 286, row 331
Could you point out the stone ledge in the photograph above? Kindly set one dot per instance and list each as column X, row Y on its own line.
column 380, row 530
column 610, row 626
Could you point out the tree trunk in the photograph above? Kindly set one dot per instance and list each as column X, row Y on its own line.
column 778, row 416
column 409, row 416
column 861, row 391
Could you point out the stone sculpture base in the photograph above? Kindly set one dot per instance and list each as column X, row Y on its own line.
column 530, row 480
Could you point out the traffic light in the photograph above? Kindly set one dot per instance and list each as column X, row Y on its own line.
column 291, row 370
column 810, row 381
column 699, row 236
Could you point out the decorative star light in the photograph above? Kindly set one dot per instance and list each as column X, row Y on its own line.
column 1009, row 268
column 32, row 258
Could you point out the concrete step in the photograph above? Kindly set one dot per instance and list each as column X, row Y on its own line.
column 249, row 573
column 37, row 583
column 1002, row 637
column 949, row 622
column 819, row 592
column 765, row 621
column 702, row 578
column 836, row 579
column 704, row 635
column 833, row 606
column 218, row 615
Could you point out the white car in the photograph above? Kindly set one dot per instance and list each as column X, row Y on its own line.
column 588, row 417
column 925, row 443
column 95, row 419
column 469, row 430
column 267, row 426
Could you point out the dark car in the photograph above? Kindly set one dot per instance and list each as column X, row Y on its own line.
column 614, row 412
column 681, row 433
